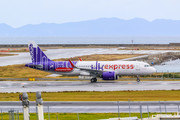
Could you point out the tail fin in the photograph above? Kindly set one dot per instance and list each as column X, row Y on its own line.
column 37, row 55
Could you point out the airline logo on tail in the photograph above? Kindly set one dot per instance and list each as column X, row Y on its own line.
column 31, row 52
column 37, row 55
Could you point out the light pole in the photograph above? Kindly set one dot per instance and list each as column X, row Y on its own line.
column 25, row 104
column 39, row 103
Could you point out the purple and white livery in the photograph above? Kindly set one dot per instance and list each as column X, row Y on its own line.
column 107, row 70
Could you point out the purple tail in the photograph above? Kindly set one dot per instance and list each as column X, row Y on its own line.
column 37, row 55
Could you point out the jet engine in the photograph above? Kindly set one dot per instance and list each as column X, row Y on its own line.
column 110, row 75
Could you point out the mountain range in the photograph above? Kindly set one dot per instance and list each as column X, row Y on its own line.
column 97, row 27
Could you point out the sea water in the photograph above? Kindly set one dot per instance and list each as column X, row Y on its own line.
column 170, row 66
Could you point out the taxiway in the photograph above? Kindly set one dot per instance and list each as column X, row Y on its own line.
column 55, row 86
column 97, row 107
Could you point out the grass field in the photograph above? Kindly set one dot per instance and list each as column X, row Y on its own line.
column 151, row 48
column 82, row 116
column 19, row 49
column 77, row 47
column 21, row 71
column 3, row 54
column 100, row 57
column 163, row 95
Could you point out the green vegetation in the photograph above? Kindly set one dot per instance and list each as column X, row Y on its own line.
column 173, row 95
column 82, row 116
column 165, row 75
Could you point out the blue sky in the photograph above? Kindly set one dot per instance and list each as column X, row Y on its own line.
column 17, row 13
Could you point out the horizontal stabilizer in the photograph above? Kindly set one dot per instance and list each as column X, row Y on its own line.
column 33, row 65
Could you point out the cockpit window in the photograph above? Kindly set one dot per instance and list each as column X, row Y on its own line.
column 146, row 65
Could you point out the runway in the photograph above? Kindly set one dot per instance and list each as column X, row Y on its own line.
column 55, row 86
column 97, row 107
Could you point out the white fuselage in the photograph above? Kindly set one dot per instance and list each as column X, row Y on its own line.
column 107, row 70
column 120, row 68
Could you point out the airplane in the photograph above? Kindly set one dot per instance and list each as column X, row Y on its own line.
column 107, row 70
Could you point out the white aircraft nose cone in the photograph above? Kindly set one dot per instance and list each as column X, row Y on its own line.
column 153, row 70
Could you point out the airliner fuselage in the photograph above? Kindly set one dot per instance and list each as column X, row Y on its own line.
column 107, row 70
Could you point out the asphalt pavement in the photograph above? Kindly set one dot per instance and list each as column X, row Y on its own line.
column 55, row 86
column 97, row 107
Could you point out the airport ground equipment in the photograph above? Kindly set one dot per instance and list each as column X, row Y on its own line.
column 25, row 104
column 39, row 103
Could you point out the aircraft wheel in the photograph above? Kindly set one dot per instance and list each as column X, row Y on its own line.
column 93, row 80
column 138, row 80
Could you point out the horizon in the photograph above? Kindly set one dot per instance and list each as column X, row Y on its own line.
column 97, row 27
column 89, row 20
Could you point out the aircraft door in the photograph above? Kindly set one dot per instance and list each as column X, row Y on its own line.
column 137, row 66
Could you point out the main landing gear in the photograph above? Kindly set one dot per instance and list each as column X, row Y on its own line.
column 93, row 80
column 138, row 80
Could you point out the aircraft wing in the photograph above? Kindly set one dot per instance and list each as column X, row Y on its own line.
column 85, row 69
column 90, row 70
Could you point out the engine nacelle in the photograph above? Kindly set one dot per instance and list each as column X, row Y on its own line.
column 110, row 75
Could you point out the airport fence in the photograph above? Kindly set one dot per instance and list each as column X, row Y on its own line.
column 129, row 107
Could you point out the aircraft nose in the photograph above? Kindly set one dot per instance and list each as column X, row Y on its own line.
column 153, row 70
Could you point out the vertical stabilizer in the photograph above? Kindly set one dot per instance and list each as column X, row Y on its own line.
column 37, row 55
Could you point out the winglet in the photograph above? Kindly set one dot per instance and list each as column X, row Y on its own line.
column 80, row 59
column 71, row 63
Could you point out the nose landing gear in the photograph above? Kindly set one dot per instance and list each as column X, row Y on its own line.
column 138, row 80
column 93, row 80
